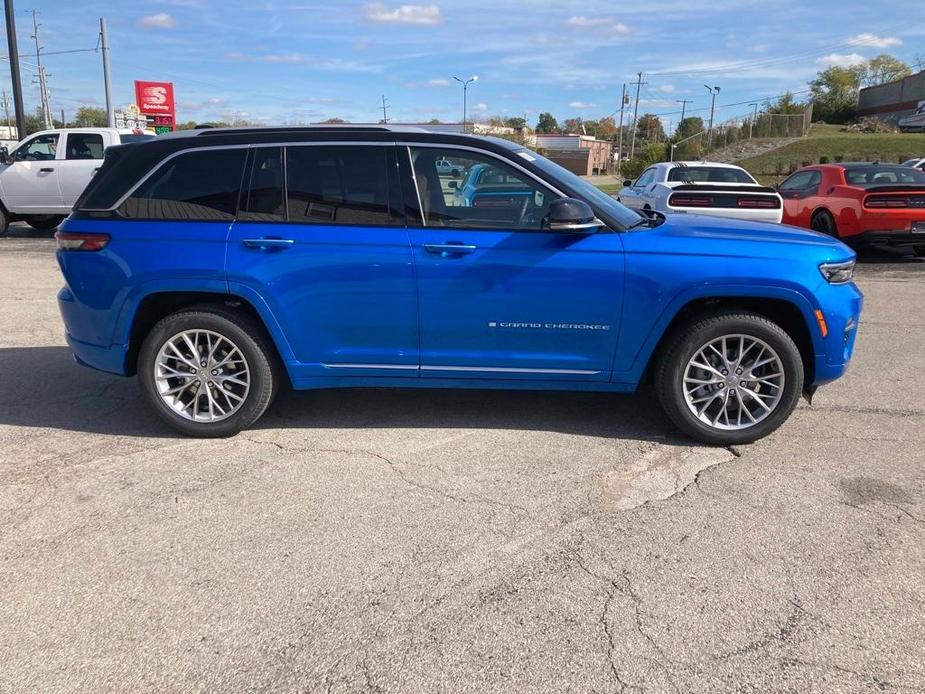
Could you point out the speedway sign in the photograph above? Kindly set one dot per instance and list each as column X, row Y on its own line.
column 156, row 103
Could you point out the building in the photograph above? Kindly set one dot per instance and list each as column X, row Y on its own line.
column 893, row 101
column 581, row 154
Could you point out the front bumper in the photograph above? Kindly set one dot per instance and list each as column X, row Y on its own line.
column 842, row 319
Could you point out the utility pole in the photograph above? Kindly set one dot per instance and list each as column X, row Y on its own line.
column 684, row 103
column 14, row 69
column 43, row 81
column 639, row 84
column 623, row 101
column 6, row 112
column 107, row 76
column 465, row 84
column 385, row 113
column 713, row 92
column 754, row 120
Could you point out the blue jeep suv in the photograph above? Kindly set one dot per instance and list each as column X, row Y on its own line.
column 218, row 264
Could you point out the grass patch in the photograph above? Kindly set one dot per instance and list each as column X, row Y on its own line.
column 610, row 188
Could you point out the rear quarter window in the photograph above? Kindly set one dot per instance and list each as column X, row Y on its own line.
column 197, row 186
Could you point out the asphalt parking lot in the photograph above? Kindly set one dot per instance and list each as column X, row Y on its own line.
column 392, row 541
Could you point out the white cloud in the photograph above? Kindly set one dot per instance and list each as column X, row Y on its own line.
column 237, row 55
column 437, row 83
column 841, row 60
column 667, row 89
column 876, row 41
column 290, row 59
column 607, row 23
column 162, row 20
column 215, row 101
column 480, row 107
column 580, row 104
column 403, row 14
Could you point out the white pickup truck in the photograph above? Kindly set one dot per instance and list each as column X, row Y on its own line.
column 41, row 179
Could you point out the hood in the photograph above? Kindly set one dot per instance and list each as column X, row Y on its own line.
column 736, row 237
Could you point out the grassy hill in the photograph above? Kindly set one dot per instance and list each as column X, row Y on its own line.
column 829, row 141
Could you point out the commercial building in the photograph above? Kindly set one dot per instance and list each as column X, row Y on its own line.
column 580, row 154
column 893, row 101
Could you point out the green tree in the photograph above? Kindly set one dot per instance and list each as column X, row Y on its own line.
column 835, row 93
column 90, row 117
column 333, row 121
column 649, row 128
column 547, row 124
column 688, row 127
column 786, row 104
column 516, row 122
column 606, row 128
column 884, row 68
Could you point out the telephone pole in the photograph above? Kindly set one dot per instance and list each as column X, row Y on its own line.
column 43, row 78
column 6, row 112
column 623, row 101
column 754, row 120
column 639, row 84
column 684, row 103
column 14, row 69
column 385, row 113
column 713, row 92
column 107, row 77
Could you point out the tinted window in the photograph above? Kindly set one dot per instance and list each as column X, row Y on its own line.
column 84, row 146
column 646, row 178
column 882, row 175
column 265, row 201
column 135, row 138
column 709, row 174
column 802, row 180
column 200, row 185
column 492, row 195
column 338, row 185
column 41, row 148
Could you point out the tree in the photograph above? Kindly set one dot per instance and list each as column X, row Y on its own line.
column 573, row 126
column 606, row 128
column 787, row 105
column 90, row 117
column 688, row 127
column 434, row 121
column 835, row 93
column 884, row 68
column 515, row 122
column 547, row 124
column 649, row 127
column 333, row 121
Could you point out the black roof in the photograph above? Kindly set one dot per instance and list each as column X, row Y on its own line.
column 125, row 164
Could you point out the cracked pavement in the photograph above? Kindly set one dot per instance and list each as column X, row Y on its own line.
column 401, row 541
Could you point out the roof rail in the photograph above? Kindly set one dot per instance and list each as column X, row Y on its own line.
column 346, row 127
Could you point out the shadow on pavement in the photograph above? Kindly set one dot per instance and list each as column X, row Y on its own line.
column 887, row 256
column 44, row 387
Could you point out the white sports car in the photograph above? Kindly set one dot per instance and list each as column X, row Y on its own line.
column 721, row 190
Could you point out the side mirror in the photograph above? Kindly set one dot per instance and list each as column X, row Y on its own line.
column 627, row 183
column 453, row 184
column 571, row 215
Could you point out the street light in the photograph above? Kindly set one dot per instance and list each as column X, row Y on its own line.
column 465, row 84
column 713, row 92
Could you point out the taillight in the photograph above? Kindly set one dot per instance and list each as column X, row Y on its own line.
column 762, row 203
column 883, row 201
column 80, row 241
column 690, row 201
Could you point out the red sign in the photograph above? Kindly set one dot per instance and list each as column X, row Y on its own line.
column 156, row 99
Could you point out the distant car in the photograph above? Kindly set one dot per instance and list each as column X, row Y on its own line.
column 447, row 168
column 915, row 163
column 718, row 190
column 859, row 203
column 490, row 186
column 41, row 179
column 914, row 123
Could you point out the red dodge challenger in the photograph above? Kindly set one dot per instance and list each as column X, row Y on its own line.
column 871, row 204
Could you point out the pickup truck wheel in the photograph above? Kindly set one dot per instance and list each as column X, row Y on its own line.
column 207, row 371
column 44, row 223
column 730, row 378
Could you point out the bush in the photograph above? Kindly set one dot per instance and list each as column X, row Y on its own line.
column 631, row 168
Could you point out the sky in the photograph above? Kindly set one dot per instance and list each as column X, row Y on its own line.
column 294, row 61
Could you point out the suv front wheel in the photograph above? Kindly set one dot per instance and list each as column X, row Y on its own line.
column 730, row 378
column 207, row 371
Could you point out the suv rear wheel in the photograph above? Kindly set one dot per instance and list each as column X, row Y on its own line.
column 44, row 222
column 207, row 371
column 730, row 378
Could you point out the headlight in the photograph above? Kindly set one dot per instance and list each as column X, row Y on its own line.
column 838, row 273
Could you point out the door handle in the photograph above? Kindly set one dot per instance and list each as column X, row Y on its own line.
column 45, row 170
column 448, row 249
column 267, row 244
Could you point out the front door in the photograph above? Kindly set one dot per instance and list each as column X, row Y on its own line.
column 500, row 297
column 83, row 156
column 30, row 183
column 329, row 254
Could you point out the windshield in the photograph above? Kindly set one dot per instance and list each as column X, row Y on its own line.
column 709, row 174
column 865, row 176
column 591, row 194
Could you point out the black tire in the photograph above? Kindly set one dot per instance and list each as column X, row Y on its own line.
column 824, row 223
column 250, row 340
column 919, row 251
column 43, row 223
column 4, row 222
column 689, row 339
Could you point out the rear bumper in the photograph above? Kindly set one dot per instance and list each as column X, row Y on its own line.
column 749, row 215
column 891, row 239
column 109, row 359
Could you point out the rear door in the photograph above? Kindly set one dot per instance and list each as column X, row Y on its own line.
column 30, row 183
column 320, row 238
column 83, row 156
column 499, row 296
